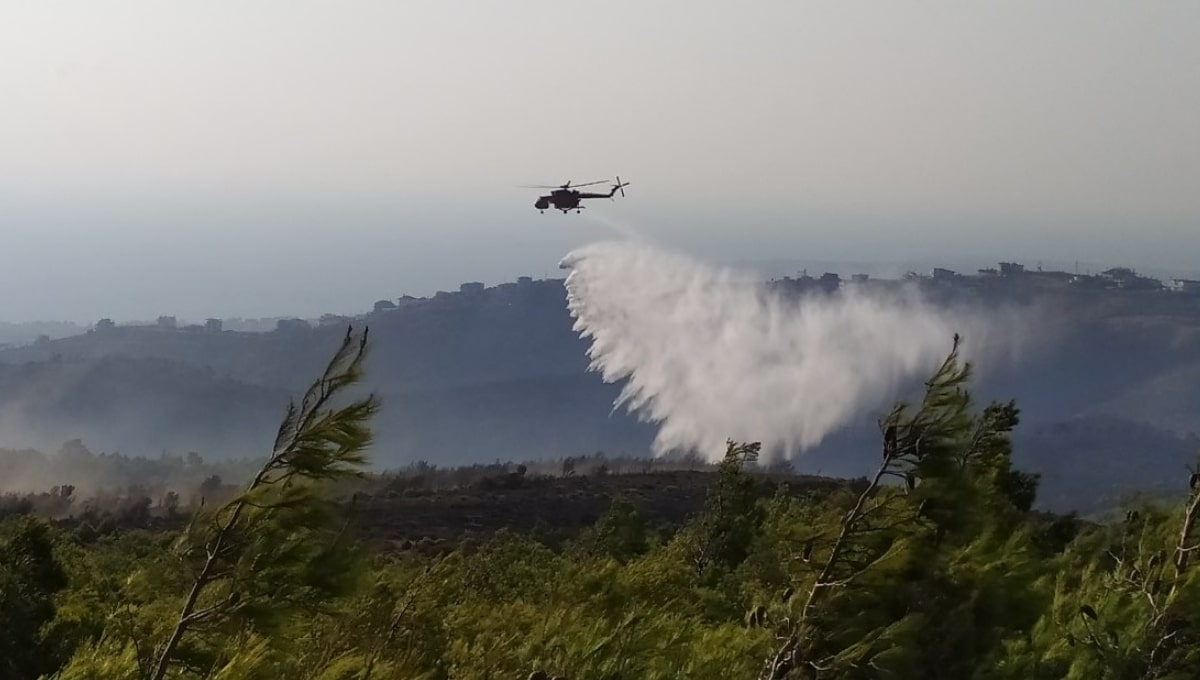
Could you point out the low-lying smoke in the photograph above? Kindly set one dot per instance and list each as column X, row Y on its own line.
column 711, row 355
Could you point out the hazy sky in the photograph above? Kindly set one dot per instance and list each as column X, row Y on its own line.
column 291, row 157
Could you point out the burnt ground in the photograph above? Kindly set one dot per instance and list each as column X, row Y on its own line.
column 553, row 508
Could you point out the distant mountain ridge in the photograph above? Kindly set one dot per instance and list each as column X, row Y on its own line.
column 498, row 373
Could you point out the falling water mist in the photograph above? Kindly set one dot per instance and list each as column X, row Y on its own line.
column 709, row 354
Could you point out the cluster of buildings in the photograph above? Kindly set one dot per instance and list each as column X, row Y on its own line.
column 168, row 323
column 469, row 290
column 1117, row 278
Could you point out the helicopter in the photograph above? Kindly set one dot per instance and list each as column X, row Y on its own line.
column 566, row 198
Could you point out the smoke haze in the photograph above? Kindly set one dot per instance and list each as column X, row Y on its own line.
column 711, row 355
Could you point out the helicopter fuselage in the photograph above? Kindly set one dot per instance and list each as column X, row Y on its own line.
column 565, row 200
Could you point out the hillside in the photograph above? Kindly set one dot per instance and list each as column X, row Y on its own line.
column 499, row 374
column 401, row 516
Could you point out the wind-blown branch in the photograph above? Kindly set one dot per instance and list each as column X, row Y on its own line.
column 314, row 442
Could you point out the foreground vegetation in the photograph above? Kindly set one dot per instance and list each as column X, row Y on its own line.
column 934, row 567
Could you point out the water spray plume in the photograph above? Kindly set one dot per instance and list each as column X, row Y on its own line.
column 710, row 354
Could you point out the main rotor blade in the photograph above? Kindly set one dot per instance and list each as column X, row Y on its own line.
column 568, row 185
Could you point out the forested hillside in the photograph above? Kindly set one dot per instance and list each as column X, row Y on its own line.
column 931, row 566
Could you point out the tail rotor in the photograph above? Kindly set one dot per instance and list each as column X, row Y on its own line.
column 620, row 186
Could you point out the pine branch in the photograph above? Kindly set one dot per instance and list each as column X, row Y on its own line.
column 907, row 441
column 312, row 442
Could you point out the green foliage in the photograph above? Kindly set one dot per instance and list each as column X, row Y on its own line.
column 621, row 533
column 220, row 600
column 721, row 536
column 933, row 568
column 1127, row 603
column 905, row 580
column 274, row 550
column 30, row 576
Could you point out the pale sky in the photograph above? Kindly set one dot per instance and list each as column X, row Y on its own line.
column 266, row 158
